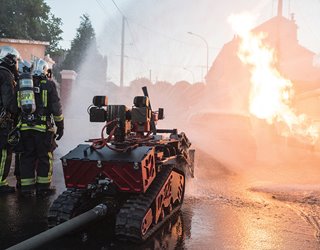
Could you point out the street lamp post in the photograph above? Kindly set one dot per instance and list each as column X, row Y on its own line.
column 190, row 73
column 207, row 46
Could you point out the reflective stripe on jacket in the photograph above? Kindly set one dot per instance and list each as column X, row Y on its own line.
column 51, row 107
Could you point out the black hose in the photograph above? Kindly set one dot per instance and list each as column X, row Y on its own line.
column 62, row 229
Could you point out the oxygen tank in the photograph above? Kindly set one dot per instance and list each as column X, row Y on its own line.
column 26, row 94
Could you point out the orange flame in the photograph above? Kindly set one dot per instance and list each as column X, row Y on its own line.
column 271, row 94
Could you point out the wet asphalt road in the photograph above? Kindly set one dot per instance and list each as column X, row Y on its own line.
column 223, row 215
column 233, row 203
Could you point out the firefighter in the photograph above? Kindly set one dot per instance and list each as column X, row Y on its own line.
column 37, row 131
column 9, row 58
column 23, row 67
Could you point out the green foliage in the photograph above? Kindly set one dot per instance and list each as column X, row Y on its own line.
column 84, row 52
column 85, row 37
column 31, row 20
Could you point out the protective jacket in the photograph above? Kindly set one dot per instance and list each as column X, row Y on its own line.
column 8, row 108
column 7, row 91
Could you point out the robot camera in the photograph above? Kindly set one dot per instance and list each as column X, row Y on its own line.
column 98, row 111
column 100, row 101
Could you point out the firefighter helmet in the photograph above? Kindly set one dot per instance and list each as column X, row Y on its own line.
column 40, row 68
column 24, row 67
column 9, row 56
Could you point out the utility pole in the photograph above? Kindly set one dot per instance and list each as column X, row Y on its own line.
column 279, row 34
column 122, row 52
column 280, row 7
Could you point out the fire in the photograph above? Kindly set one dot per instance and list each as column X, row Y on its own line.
column 271, row 94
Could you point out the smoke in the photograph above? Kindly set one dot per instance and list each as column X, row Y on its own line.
column 157, row 39
column 227, row 144
column 316, row 61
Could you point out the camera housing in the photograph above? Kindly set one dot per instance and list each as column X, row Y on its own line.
column 121, row 120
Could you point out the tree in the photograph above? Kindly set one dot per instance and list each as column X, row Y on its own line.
column 31, row 20
column 85, row 38
column 84, row 52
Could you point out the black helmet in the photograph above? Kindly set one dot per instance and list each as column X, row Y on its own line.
column 40, row 68
column 9, row 56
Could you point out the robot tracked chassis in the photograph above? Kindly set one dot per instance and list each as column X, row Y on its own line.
column 136, row 170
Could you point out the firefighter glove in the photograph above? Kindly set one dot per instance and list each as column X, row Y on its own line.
column 14, row 137
column 60, row 128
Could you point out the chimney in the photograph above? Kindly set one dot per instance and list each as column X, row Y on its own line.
column 279, row 7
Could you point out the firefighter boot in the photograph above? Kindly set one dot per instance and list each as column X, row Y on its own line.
column 5, row 189
column 45, row 190
column 27, row 191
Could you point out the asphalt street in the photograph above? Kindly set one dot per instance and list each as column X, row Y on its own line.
column 246, row 194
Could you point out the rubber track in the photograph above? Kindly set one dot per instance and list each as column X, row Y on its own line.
column 130, row 216
column 65, row 206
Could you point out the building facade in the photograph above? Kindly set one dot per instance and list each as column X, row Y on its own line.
column 28, row 49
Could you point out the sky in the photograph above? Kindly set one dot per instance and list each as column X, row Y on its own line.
column 157, row 43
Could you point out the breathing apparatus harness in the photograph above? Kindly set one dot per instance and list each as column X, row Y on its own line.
column 31, row 105
column 30, row 100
